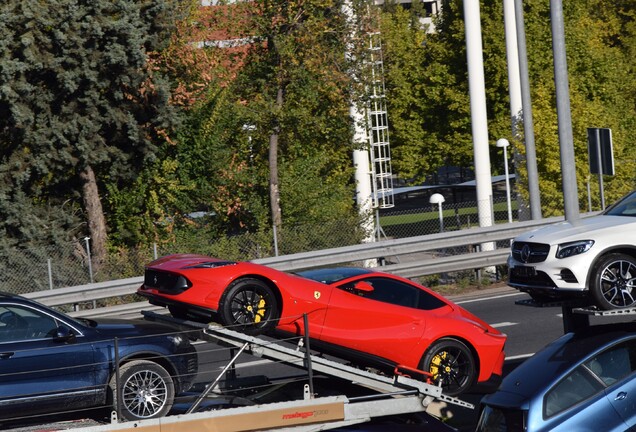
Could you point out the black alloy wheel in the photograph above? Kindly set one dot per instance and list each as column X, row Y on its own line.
column 249, row 305
column 451, row 365
column 613, row 282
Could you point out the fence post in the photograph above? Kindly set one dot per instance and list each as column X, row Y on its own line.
column 90, row 264
column 48, row 262
column 275, row 240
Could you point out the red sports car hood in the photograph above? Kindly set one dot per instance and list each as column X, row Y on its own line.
column 467, row 316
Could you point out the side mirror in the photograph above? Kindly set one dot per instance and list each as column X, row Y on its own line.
column 364, row 287
column 64, row 334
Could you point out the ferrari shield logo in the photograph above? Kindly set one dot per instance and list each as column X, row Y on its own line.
column 316, row 295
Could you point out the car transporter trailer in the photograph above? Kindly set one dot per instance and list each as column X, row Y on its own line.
column 396, row 395
column 576, row 313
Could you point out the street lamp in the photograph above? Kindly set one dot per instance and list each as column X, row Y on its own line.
column 438, row 199
column 503, row 143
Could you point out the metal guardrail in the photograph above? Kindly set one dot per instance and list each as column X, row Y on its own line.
column 414, row 247
column 408, row 257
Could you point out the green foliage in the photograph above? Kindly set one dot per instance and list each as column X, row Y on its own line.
column 426, row 79
column 316, row 190
column 76, row 92
column 146, row 210
column 34, row 267
column 599, row 97
column 203, row 239
column 335, row 233
column 216, row 155
column 85, row 84
column 427, row 92
column 223, row 147
column 123, row 263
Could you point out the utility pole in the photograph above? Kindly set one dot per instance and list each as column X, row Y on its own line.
column 479, row 121
column 528, row 123
column 564, row 115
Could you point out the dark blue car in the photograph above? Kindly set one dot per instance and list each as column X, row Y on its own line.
column 52, row 363
column 584, row 381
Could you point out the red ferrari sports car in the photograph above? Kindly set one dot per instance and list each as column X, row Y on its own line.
column 371, row 318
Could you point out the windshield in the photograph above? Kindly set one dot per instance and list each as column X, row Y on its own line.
column 332, row 275
column 625, row 207
column 495, row 419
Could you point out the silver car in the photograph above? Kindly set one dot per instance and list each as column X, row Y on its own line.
column 594, row 258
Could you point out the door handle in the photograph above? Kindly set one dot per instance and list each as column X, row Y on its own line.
column 6, row 355
column 621, row 396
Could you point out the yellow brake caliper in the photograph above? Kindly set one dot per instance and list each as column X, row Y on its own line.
column 436, row 363
column 260, row 312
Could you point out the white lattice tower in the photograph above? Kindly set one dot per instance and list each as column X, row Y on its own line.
column 378, row 126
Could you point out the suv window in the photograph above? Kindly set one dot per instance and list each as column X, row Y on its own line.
column 625, row 207
column 19, row 323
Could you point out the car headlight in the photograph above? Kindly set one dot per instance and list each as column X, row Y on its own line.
column 566, row 250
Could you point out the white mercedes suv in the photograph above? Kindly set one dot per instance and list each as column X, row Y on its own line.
column 594, row 257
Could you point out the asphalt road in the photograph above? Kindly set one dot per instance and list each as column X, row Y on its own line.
column 528, row 328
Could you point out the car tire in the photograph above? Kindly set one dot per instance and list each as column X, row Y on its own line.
column 613, row 282
column 146, row 390
column 178, row 312
column 451, row 365
column 250, row 306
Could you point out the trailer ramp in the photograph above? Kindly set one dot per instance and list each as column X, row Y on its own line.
column 396, row 395
column 272, row 351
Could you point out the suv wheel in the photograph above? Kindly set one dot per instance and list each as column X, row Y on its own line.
column 147, row 390
column 613, row 282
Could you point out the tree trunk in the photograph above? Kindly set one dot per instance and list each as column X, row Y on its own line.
column 274, row 194
column 95, row 214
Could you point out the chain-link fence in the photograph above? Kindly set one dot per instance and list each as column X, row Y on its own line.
column 401, row 223
column 36, row 269
column 23, row 270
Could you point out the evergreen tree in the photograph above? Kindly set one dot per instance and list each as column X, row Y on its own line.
column 79, row 108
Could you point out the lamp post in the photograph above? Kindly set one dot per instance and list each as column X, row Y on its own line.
column 438, row 199
column 503, row 143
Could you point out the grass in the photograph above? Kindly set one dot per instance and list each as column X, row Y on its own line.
column 498, row 209
column 463, row 282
